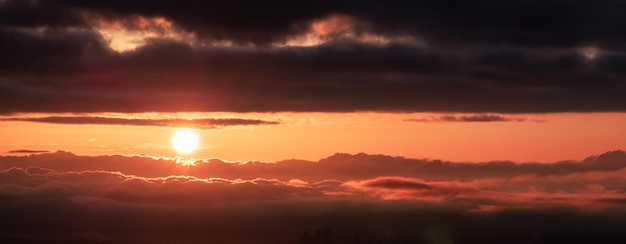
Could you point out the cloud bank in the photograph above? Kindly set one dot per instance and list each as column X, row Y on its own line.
column 372, row 197
column 423, row 56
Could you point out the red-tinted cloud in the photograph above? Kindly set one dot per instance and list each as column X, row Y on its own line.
column 342, row 167
column 151, row 199
column 396, row 188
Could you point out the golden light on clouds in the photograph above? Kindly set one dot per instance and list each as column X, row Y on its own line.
column 341, row 27
column 331, row 25
column 590, row 52
column 130, row 34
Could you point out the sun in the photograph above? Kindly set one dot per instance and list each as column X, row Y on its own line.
column 185, row 141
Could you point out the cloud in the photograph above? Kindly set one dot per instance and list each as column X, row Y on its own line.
column 121, row 198
column 28, row 151
column 453, row 23
column 208, row 123
column 396, row 188
column 474, row 118
column 121, row 207
column 468, row 118
column 343, row 167
column 347, row 56
column 397, row 183
column 341, row 77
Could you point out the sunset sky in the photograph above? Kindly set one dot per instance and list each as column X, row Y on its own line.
column 395, row 121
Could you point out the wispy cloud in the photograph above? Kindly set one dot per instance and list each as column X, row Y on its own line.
column 468, row 118
column 28, row 151
column 205, row 123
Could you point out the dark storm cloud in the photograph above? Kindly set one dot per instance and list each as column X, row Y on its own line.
column 56, row 197
column 166, row 76
column 528, row 23
column 537, row 23
column 17, row 13
column 209, row 123
column 478, row 57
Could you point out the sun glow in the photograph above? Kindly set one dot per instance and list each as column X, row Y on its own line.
column 185, row 141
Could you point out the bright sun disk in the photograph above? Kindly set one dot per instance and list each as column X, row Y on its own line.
column 185, row 141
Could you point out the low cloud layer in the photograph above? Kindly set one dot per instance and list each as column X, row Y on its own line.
column 343, row 167
column 377, row 197
column 207, row 123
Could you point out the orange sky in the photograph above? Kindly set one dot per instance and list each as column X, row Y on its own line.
column 312, row 136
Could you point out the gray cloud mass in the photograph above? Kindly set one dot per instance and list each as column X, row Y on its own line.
column 479, row 57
